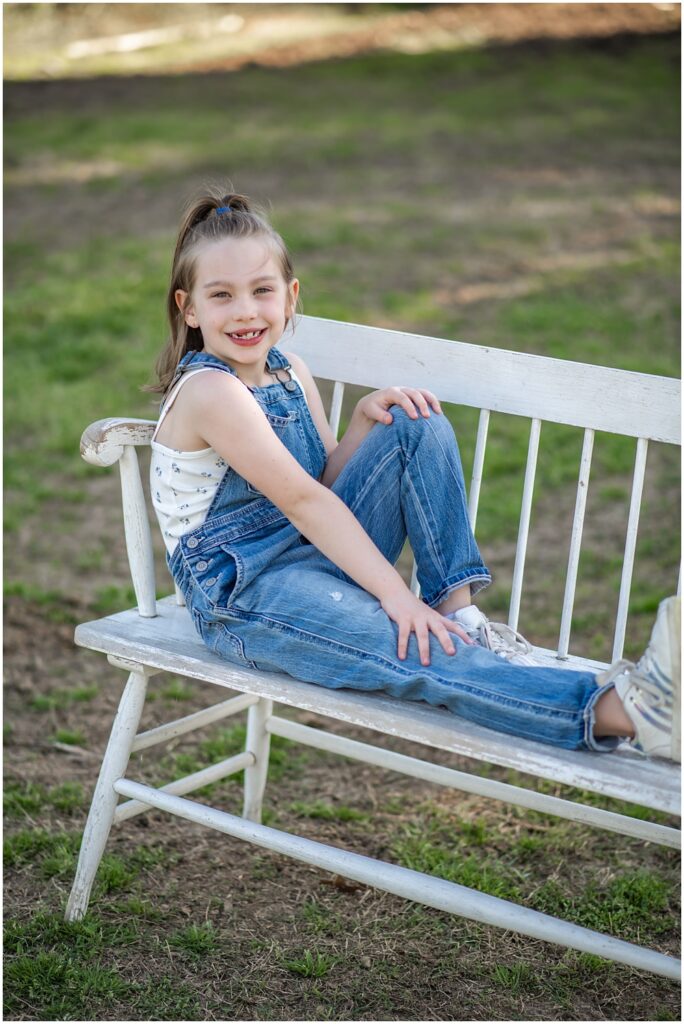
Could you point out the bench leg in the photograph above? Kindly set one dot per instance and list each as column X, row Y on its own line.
column 259, row 744
column 103, row 806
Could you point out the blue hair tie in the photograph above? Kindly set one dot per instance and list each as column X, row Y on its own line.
column 223, row 209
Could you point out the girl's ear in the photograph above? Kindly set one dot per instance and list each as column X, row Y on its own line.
column 292, row 293
column 188, row 311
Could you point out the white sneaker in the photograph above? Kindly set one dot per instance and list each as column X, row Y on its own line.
column 651, row 690
column 495, row 636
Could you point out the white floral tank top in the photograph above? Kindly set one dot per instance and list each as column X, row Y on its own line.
column 183, row 484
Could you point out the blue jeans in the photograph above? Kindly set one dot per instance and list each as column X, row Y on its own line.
column 303, row 615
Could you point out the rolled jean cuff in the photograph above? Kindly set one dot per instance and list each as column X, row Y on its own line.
column 478, row 578
column 605, row 743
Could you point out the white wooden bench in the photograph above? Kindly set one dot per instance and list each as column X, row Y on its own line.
column 158, row 636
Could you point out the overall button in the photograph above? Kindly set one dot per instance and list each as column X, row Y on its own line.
column 201, row 566
column 211, row 582
column 193, row 542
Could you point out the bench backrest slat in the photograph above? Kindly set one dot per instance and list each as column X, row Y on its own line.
column 478, row 467
column 336, row 407
column 630, row 547
column 524, row 525
column 556, row 390
column 575, row 543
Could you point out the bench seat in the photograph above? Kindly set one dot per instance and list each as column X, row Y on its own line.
column 168, row 642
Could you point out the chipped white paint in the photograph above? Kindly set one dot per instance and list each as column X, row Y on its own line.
column 198, row 720
column 137, row 530
column 258, row 745
column 591, row 397
column 189, row 783
column 103, row 805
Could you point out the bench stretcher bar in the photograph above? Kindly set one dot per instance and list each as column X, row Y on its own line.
column 189, row 783
column 409, row 884
column 418, row 769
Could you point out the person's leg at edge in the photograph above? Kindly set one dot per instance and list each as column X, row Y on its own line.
column 610, row 717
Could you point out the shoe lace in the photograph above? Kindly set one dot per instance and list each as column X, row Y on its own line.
column 502, row 639
column 644, row 675
column 618, row 668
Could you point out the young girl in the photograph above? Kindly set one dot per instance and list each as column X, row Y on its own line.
column 283, row 541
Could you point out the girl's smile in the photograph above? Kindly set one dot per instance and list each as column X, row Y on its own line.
column 247, row 338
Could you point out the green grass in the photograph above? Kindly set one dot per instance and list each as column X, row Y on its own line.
column 413, row 850
column 195, row 940
column 327, row 812
column 58, row 967
column 55, row 605
column 310, row 965
column 62, row 988
column 27, row 798
column 508, row 103
column 61, row 698
column 632, row 905
column 70, row 737
column 531, row 869
column 112, row 599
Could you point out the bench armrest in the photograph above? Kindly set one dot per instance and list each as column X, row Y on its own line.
column 102, row 443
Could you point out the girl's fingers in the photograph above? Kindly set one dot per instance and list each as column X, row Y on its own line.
column 415, row 398
column 445, row 640
column 453, row 627
column 402, row 645
column 424, row 399
column 441, row 628
column 423, row 644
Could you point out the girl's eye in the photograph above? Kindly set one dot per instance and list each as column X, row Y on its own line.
column 264, row 289
column 219, row 295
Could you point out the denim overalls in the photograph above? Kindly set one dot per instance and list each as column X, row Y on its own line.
column 261, row 595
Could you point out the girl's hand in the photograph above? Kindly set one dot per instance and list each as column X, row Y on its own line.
column 414, row 616
column 416, row 402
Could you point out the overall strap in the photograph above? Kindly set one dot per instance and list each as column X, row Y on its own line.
column 276, row 360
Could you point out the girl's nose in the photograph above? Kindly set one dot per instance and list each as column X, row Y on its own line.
column 244, row 309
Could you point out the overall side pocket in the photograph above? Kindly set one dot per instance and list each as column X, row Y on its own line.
column 224, row 643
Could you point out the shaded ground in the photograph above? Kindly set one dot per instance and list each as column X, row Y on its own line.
column 188, row 925
column 64, row 41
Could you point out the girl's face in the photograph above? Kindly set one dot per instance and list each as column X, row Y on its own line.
column 240, row 302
